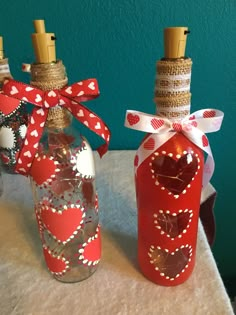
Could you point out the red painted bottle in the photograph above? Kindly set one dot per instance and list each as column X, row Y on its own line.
column 169, row 172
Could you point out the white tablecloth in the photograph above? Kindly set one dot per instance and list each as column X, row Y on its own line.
column 117, row 287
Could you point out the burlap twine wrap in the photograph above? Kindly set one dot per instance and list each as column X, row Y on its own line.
column 49, row 76
column 172, row 88
column 4, row 70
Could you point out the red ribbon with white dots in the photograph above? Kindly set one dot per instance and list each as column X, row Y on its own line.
column 68, row 97
column 162, row 129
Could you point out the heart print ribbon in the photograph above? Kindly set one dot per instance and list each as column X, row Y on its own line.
column 68, row 97
column 161, row 129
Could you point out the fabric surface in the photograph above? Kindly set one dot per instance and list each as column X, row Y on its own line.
column 117, row 287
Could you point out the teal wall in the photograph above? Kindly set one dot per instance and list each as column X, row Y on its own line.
column 118, row 42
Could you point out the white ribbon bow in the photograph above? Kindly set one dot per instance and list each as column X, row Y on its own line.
column 162, row 129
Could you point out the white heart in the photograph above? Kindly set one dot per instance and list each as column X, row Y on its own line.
column 68, row 90
column 35, row 145
column 24, row 99
column 86, row 123
column 91, row 86
column 46, row 104
column 26, row 142
column 92, row 115
column 14, row 90
column 61, row 102
column 103, row 136
column 98, row 126
column 80, row 83
column 19, row 161
column 32, row 120
column 38, row 98
column 42, row 124
column 27, row 153
column 40, row 112
column 29, row 164
column 52, row 94
column 28, row 88
column 80, row 93
column 80, row 113
column 34, row 133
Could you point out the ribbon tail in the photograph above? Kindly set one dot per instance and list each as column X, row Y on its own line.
column 201, row 140
column 31, row 143
column 91, row 121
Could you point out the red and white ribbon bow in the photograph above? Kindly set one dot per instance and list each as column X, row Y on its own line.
column 162, row 129
column 68, row 97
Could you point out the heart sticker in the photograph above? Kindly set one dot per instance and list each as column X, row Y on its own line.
column 174, row 173
column 83, row 161
column 90, row 252
column 173, row 224
column 57, row 265
column 64, row 224
column 170, row 264
column 43, row 169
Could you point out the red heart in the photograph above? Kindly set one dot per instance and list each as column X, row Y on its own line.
column 177, row 126
column 175, row 175
column 209, row 113
column 204, row 141
column 149, row 144
column 173, row 224
column 157, row 123
column 136, row 160
column 62, row 225
column 133, row 119
column 56, row 265
column 170, row 264
column 90, row 253
column 8, row 104
column 43, row 169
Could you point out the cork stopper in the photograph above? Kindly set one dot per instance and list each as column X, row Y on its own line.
column 1, row 48
column 43, row 43
column 175, row 42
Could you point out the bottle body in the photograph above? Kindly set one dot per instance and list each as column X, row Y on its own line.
column 66, row 205
column 168, row 189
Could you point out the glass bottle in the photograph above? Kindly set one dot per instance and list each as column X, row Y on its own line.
column 169, row 179
column 63, row 178
column 13, row 122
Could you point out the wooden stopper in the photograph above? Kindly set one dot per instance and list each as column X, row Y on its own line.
column 175, row 42
column 1, row 48
column 43, row 43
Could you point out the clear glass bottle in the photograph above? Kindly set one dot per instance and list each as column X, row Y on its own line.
column 64, row 191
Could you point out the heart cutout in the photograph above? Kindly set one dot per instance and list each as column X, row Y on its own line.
column 90, row 253
column 173, row 224
column 43, row 169
column 63, row 225
column 170, row 264
column 175, row 175
column 57, row 265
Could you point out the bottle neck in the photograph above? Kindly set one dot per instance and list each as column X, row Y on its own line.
column 172, row 88
column 49, row 76
column 4, row 71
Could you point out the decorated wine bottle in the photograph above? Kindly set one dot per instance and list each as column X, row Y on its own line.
column 60, row 162
column 170, row 169
column 13, row 121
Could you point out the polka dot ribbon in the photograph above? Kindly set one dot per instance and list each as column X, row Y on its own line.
column 162, row 129
column 68, row 97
